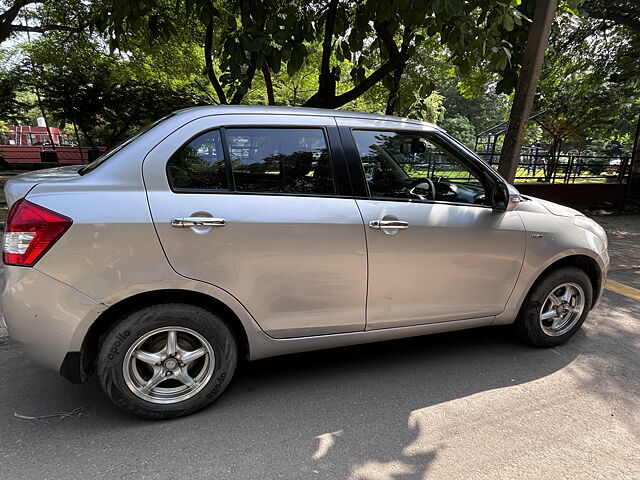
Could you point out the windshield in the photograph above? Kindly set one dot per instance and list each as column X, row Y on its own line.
column 108, row 154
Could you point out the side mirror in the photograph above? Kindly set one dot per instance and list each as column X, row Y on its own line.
column 418, row 145
column 505, row 197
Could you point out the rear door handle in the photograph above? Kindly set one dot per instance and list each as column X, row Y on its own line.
column 388, row 224
column 188, row 222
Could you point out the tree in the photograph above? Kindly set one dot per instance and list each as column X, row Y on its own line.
column 624, row 17
column 107, row 97
column 378, row 37
column 11, row 83
column 590, row 85
column 48, row 15
column 461, row 128
column 620, row 12
column 474, row 99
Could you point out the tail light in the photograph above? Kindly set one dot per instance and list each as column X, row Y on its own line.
column 30, row 231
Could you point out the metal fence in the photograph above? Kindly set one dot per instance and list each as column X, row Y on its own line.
column 567, row 168
column 533, row 167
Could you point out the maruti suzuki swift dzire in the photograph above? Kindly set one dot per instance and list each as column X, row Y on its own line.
column 235, row 232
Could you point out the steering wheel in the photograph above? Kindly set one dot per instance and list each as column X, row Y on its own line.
column 422, row 193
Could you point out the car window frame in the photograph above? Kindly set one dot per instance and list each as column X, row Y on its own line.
column 356, row 167
column 337, row 162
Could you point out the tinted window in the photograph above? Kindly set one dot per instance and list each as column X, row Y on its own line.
column 415, row 167
column 280, row 160
column 200, row 164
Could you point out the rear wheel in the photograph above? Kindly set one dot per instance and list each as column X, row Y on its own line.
column 168, row 360
column 556, row 308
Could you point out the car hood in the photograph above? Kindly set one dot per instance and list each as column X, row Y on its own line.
column 539, row 205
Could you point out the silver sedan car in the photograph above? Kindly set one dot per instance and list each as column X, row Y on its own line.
column 227, row 233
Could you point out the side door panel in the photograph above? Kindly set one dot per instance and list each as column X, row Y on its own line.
column 455, row 260
column 297, row 263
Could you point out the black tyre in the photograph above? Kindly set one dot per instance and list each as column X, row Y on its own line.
column 555, row 308
column 168, row 360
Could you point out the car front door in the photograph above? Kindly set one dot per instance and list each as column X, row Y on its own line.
column 437, row 251
column 261, row 207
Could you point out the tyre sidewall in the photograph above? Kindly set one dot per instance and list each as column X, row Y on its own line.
column 136, row 324
column 528, row 322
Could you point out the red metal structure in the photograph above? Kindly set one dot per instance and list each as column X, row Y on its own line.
column 24, row 135
column 13, row 154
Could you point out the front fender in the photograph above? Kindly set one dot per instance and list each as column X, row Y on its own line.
column 549, row 240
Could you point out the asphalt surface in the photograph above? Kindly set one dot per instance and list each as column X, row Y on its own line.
column 466, row 405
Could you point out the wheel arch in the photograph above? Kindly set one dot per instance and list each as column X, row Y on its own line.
column 96, row 332
column 576, row 258
column 585, row 263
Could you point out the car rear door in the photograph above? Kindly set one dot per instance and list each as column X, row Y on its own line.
column 261, row 206
column 431, row 259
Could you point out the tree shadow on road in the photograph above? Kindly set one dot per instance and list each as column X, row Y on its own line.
column 341, row 413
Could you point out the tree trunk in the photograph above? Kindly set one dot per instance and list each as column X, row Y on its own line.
column 393, row 99
column 208, row 63
column 87, row 137
column 266, row 73
column 244, row 87
column 525, row 90
column 326, row 94
column 635, row 154
column 336, row 101
column 46, row 120
column 633, row 188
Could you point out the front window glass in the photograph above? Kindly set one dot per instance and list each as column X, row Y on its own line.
column 280, row 160
column 414, row 167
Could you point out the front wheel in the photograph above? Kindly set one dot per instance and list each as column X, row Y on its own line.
column 556, row 308
column 165, row 361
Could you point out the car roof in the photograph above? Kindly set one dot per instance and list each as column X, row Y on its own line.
column 303, row 111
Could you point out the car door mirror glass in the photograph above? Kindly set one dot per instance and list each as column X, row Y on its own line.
column 505, row 197
column 418, row 146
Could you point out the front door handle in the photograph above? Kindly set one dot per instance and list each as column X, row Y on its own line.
column 388, row 224
column 188, row 222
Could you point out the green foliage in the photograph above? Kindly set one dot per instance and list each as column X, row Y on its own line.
column 11, row 83
column 110, row 66
column 461, row 128
column 250, row 34
column 4, row 132
column 106, row 96
column 472, row 98
column 591, row 86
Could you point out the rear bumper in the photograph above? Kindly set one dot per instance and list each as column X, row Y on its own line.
column 42, row 314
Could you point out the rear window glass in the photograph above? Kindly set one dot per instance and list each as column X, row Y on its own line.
column 110, row 153
column 200, row 164
column 280, row 160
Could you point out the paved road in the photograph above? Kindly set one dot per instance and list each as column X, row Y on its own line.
column 467, row 405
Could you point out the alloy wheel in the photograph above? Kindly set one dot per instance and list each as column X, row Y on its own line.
column 562, row 309
column 169, row 365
